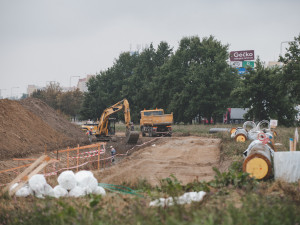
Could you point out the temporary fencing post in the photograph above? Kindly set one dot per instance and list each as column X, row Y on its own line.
column 68, row 158
column 77, row 157
column 45, row 170
column 98, row 156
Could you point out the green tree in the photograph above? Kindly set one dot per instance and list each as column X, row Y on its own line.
column 260, row 90
column 291, row 70
column 70, row 102
column 49, row 94
column 200, row 79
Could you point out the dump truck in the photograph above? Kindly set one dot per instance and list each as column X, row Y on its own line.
column 155, row 123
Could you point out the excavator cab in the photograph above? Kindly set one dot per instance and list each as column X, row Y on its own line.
column 111, row 126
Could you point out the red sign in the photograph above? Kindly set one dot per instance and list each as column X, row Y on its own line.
column 242, row 55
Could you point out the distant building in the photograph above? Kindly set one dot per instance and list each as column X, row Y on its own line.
column 272, row 64
column 32, row 88
column 82, row 83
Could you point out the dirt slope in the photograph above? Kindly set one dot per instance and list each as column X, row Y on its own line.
column 53, row 119
column 188, row 158
column 23, row 132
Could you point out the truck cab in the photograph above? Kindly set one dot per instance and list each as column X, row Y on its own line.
column 155, row 122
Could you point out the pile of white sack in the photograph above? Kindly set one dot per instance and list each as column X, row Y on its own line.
column 186, row 198
column 69, row 185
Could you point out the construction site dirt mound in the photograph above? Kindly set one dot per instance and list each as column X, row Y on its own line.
column 27, row 126
column 187, row 158
column 54, row 119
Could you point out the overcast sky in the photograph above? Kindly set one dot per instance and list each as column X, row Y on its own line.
column 53, row 40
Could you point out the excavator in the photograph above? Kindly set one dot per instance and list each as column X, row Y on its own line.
column 106, row 126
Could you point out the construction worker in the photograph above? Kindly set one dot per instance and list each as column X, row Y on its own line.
column 89, row 133
column 113, row 153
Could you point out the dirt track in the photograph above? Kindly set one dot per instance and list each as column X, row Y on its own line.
column 188, row 158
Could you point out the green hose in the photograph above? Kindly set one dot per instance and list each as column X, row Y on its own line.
column 120, row 189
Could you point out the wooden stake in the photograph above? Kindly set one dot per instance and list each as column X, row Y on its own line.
column 291, row 144
column 45, row 170
column 77, row 157
column 25, row 172
column 68, row 164
column 98, row 157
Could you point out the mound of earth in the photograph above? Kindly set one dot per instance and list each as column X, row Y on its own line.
column 27, row 126
column 188, row 158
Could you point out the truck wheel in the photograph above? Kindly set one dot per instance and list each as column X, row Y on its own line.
column 150, row 133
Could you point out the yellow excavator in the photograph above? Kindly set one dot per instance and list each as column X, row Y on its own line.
column 106, row 126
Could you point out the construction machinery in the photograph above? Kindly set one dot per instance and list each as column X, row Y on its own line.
column 106, row 126
column 90, row 126
column 155, row 122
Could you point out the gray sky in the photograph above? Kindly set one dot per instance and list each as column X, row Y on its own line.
column 53, row 40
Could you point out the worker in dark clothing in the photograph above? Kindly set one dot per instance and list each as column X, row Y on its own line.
column 113, row 153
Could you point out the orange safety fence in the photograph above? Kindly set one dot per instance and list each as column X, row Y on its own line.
column 95, row 157
column 85, row 157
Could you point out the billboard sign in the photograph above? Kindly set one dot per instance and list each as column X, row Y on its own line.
column 248, row 64
column 242, row 55
column 236, row 64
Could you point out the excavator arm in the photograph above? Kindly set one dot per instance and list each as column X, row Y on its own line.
column 102, row 129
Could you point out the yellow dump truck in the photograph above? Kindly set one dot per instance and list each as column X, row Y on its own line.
column 156, row 123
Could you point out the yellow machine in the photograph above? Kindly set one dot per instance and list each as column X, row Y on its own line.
column 155, row 122
column 90, row 126
column 106, row 126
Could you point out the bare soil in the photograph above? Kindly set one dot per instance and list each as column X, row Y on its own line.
column 27, row 126
column 188, row 158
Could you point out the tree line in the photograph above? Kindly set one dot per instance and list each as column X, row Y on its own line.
column 193, row 81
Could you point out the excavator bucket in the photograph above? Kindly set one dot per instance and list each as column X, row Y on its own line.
column 132, row 137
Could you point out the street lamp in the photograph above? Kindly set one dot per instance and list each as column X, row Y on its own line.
column 71, row 78
column 11, row 91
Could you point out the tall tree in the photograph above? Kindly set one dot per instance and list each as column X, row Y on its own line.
column 291, row 70
column 70, row 102
column 260, row 90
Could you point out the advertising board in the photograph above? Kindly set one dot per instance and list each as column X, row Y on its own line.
column 241, row 55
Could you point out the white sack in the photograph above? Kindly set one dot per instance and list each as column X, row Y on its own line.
column 48, row 190
column 99, row 191
column 37, row 183
column 287, row 166
column 24, row 192
column 186, row 198
column 86, row 180
column 67, row 180
column 77, row 192
column 59, row 191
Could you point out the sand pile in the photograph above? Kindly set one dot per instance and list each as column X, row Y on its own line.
column 23, row 132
